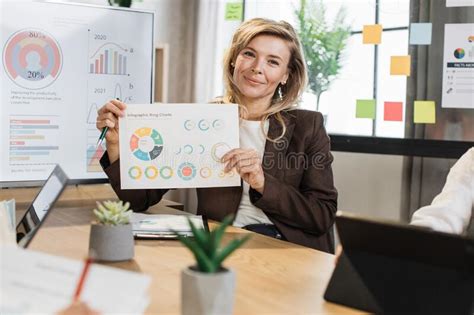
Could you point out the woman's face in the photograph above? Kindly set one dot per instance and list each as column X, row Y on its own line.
column 260, row 67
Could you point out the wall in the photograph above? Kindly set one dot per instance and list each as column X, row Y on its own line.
column 369, row 184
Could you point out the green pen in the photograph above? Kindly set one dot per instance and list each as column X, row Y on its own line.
column 103, row 132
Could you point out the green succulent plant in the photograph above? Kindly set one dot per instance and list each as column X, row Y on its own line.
column 113, row 212
column 206, row 248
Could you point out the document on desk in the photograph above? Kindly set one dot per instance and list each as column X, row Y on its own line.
column 164, row 225
column 177, row 145
column 33, row 282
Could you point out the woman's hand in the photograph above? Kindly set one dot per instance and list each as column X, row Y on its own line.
column 108, row 117
column 248, row 164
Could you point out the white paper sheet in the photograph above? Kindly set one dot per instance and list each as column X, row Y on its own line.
column 33, row 282
column 177, row 145
column 458, row 66
column 164, row 222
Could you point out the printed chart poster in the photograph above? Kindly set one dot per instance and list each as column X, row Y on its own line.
column 177, row 145
column 459, row 3
column 458, row 66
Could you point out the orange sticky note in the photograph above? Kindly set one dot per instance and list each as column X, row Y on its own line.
column 372, row 34
column 400, row 65
column 425, row 112
column 393, row 111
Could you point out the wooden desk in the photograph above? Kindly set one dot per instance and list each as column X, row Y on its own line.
column 273, row 277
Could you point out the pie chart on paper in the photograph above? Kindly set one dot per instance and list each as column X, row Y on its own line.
column 146, row 144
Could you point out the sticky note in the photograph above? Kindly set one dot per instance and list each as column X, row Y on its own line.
column 393, row 111
column 372, row 34
column 420, row 33
column 425, row 112
column 365, row 109
column 400, row 65
column 233, row 11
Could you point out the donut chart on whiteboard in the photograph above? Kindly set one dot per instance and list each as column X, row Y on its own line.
column 146, row 144
column 32, row 59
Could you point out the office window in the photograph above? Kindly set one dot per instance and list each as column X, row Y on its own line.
column 366, row 68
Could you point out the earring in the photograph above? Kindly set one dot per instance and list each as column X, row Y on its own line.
column 280, row 94
column 232, row 64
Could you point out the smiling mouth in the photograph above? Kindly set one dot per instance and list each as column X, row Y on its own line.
column 252, row 81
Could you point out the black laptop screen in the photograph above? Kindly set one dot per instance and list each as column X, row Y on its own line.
column 40, row 207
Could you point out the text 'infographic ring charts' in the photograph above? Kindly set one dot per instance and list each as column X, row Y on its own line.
column 32, row 59
column 146, row 144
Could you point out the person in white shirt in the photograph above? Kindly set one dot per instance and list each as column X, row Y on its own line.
column 452, row 209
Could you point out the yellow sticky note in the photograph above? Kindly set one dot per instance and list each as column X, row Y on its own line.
column 372, row 34
column 400, row 65
column 233, row 11
column 425, row 112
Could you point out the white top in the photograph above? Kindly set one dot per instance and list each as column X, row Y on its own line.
column 251, row 137
column 452, row 209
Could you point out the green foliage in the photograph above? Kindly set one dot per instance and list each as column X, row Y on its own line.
column 113, row 213
column 205, row 245
column 322, row 43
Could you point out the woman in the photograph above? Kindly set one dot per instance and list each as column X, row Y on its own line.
column 284, row 157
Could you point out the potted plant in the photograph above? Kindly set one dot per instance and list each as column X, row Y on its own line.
column 111, row 237
column 208, row 287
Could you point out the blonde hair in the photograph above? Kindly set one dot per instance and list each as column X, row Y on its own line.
column 297, row 74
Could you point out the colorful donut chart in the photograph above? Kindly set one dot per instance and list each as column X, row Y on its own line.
column 166, row 172
column 146, row 144
column 186, row 171
column 151, row 172
column 32, row 59
column 135, row 172
column 205, row 172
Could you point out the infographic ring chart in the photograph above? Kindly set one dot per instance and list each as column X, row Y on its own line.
column 146, row 144
column 32, row 59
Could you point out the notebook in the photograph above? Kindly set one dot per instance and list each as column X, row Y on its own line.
column 41, row 206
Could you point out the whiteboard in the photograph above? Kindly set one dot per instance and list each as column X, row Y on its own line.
column 60, row 63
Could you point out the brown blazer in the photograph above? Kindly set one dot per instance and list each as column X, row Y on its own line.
column 299, row 195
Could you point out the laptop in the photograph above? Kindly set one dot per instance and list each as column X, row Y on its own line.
column 389, row 267
column 41, row 206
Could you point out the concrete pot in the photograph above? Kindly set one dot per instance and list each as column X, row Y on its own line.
column 111, row 243
column 207, row 293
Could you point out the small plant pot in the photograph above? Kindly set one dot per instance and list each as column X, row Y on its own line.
column 207, row 293
column 111, row 243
